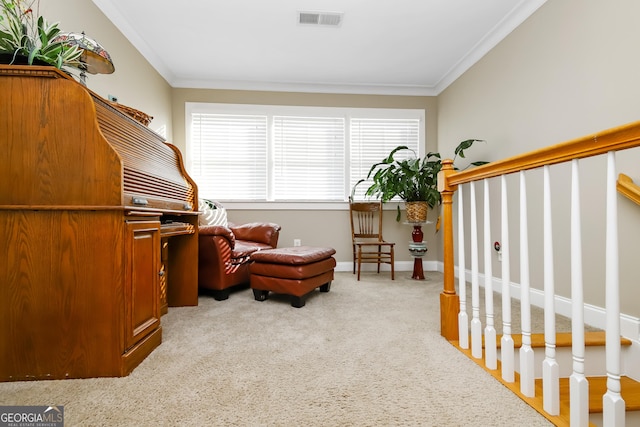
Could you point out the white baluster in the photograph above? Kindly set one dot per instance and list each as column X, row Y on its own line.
column 491, row 356
column 527, row 382
column 463, row 318
column 550, row 368
column 613, row 404
column 578, row 384
column 476, row 325
column 506, row 343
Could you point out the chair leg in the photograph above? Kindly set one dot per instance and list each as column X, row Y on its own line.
column 298, row 302
column 354, row 259
column 392, row 265
column 220, row 295
column 260, row 295
column 354, row 263
column 359, row 261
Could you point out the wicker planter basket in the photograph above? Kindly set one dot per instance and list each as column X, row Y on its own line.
column 137, row 115
column 416, row 211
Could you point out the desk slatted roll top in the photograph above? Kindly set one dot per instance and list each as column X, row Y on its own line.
column 152, row 176
column 80, row 144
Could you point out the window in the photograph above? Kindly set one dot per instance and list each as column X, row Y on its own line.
column 291, row 154
column 228, row 155
column 373, row 139
column 309, row 158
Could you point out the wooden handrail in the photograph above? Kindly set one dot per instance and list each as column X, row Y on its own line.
column 614, row 139
column 628, row 188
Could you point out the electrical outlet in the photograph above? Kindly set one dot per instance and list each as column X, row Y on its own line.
column 113, row 98
column 296, row 242
column 498, row 249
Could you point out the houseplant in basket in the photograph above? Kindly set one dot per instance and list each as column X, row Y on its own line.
column 28, row 39
column 412, row 179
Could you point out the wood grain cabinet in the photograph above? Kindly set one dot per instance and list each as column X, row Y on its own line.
column 142, row 280
column 88, row 196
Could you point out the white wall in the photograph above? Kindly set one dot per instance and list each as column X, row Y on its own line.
column 570, row 70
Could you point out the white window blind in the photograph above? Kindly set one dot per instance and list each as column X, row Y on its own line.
column 229, row 156
column 372, row 139
column 309, row 155
column 275, row 153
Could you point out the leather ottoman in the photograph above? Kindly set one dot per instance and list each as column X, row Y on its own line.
column 295, row 271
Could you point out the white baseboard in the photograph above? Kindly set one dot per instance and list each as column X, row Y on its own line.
column 399, row 266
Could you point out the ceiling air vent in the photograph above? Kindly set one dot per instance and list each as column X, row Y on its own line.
column 332, row 19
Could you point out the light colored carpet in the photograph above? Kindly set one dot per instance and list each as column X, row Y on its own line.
column 367, row 353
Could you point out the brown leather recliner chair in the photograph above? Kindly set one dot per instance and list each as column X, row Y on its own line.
column 224, row 254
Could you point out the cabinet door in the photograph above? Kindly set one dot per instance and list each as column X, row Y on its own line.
column 142, row 282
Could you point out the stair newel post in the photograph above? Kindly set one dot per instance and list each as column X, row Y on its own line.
column 463, row 318
column 612, row 401
column 578, row 384
column 449, row 300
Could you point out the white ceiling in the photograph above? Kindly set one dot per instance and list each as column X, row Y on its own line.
column 401, row 47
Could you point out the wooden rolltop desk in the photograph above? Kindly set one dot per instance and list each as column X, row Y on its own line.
column 98, row 231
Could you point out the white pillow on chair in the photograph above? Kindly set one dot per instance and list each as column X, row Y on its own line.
column 212, row 213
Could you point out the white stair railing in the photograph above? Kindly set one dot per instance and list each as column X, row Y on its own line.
column 490, row 348
column 607, row 142
column 476, row 324
column 550, row 368
column 506, row 342
column 613, row 404
column 527, row 376
column 578, row 384
column 463, row 318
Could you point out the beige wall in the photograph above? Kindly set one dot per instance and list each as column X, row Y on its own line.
column 135, row 83
column 571, row 69
column 316, row 227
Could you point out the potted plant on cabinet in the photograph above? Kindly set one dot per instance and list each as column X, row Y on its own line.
column 28, row 39
column 412, row 179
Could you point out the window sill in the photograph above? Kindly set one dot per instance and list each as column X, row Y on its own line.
column 298, row 206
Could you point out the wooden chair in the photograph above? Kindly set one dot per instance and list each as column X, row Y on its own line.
column 366, row 236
